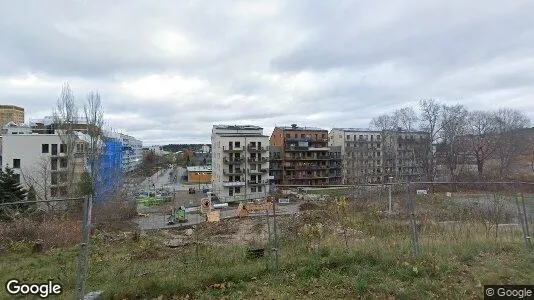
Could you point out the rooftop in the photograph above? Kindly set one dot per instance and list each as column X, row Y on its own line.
column 237, row 127
column 199, row 169
column 356, row 130
column 241, row 135
column 300, row 128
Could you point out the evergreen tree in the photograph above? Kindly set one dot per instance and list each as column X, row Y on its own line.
column 11, row 190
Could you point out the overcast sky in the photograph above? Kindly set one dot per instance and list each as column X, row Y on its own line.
column 169, row 70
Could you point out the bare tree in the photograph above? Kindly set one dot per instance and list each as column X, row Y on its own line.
column 509, row 139
column 384, row 122
column 65, row 119
column 405, row 118
column 454, row 119
column 430, row 122
column 39, row 176
column 480, row 141
column 94, row 118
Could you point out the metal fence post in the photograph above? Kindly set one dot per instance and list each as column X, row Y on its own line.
column 415, row 240
column 82, row 268
column 525, row 221
column 275, row 229
column 520, row 216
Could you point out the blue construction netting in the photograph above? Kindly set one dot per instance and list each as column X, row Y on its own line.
column 109, row 170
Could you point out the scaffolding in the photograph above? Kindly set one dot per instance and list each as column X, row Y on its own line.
column 109, row 177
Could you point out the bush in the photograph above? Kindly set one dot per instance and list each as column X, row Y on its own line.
column 54, row 233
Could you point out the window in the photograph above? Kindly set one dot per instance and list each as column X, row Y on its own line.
column 54, row 179
column 63, row 162
column 54, row 149
column 252, row 144
column 63, row 148
column 259, row 188
column 16, row 163
column 288, row 135
column 237, row 144
column 237, row 190
column 63, row 191
column 322, row 135
column 253, row 189
column 253, row 167
column 44, row 148
column 53, row 164
column 53, row 192
column 230, row 192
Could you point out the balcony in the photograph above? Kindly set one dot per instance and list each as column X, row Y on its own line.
column 258, row 182
column 233, row 183
column 257, row 149
column 233, row 172
column 235, row 161
column 295, row 149
column 233, row 149
column 249, row 171
column 256, row 160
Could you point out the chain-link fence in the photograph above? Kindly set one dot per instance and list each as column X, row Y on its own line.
column 301, row 243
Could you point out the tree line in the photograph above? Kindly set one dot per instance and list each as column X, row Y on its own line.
column 458, row 136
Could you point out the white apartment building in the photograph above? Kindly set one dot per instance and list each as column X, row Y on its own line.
column 240, row 162
column 132, row 152
column 40, row 161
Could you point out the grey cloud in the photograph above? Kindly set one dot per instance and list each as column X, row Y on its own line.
column 249, row 58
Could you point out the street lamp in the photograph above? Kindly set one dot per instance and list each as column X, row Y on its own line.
column 389, row 185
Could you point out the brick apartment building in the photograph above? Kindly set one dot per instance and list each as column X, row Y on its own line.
column 301, row 156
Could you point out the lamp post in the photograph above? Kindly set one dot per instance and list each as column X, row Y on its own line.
column 389, row 185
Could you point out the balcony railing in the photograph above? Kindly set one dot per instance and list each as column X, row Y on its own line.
column 233, row 172
column 233, row 149
column 257, row 149
column 257, row 160
column 233, row 183
column 234, row 161
column 253, row 171
column 258, row 182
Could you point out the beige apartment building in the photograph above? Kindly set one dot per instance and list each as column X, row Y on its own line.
column 11, row 113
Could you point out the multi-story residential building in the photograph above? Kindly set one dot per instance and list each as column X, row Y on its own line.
column 361, row 154
column 11, row 113
column 41, row 162
column 240, row 162
column 379, row 156
column 132, row 152
column 301, row 156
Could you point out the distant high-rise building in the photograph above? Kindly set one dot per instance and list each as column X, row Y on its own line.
column 240, row 162
column 11, row 113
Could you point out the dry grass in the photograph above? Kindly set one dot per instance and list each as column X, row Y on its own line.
column 54, row 233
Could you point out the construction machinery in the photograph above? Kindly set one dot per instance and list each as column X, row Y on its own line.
column 177, row 216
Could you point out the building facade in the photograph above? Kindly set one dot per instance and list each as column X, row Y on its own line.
column 11, row 113
column 132, row 152
column 240, row 162
column 301, row 156
column 369, row 156
column 199, row 174
column 41, row 162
